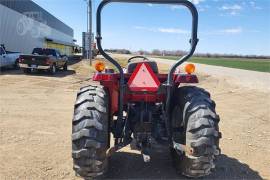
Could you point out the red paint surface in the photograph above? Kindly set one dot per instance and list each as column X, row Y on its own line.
column 111, row 82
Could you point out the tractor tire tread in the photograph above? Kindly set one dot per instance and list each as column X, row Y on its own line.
column 90, row 132
column 202, row 133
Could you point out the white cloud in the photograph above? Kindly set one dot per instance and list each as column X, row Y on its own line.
column 203, row 8
column 232, row 9
column 197, row 1
column 175, row 7
column 258, row 8
column 172, row 30
column 229, row 31
column 237, row 30
column 163, row 30
column 150, row 5
column 233, row 13
column 254, row 5
column 144, row 28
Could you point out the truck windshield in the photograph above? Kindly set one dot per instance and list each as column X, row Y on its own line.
column 46, row 52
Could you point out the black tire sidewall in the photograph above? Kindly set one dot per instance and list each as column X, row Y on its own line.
column 16, row 65
column 65, row 67
column 100, row 115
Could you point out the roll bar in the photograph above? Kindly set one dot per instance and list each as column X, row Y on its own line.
column 193, row 43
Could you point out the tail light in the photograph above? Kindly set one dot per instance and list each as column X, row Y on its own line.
column 48, row 62
column 21, row 60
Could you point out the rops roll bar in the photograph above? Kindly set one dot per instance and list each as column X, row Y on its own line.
column 193, row 43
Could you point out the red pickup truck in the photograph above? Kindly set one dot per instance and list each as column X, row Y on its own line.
column 43, row 59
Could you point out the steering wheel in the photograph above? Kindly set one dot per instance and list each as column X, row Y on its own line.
column 136, row 57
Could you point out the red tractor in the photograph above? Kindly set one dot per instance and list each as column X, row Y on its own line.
column 146, row 108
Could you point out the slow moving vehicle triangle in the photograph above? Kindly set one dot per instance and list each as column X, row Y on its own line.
column 143, row 79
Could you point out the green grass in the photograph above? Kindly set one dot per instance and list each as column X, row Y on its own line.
column 261, row 65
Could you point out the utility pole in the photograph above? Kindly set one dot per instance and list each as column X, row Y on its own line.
column 90, row 31
column 87, row 28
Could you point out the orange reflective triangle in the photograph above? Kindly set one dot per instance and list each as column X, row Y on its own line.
column 143, row 79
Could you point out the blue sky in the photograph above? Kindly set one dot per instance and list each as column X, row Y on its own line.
column 225, row 26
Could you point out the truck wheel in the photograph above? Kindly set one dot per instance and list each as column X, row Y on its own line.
column 90, row 132
column 16, row 64
column 195, row 124
column 26, row 71
column 65, row 67
column 52, row 69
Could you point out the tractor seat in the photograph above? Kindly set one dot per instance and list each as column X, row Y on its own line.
column 132, row 66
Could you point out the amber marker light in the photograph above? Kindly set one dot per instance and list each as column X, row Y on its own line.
column 190, row 68
column 100, row 66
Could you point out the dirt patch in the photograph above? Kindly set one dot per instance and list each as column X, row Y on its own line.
column 35, row 130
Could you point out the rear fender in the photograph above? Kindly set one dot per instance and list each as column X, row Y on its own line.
column 185, row 78
column 111, row 82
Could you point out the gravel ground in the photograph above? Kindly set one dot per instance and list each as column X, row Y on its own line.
column 35, row 130
column 239, row 77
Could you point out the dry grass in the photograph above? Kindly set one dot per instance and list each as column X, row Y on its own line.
column 121, row 61
column 163, row 68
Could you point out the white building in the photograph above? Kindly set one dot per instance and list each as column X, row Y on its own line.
column 24, row 25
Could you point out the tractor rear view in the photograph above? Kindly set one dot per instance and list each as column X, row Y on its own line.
column 145, row 108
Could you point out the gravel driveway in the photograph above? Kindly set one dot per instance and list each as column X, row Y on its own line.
column 35, row 130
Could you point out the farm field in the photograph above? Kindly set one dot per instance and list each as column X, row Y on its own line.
column 261, row 65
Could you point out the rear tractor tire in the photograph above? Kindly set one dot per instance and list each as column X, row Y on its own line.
column 90, row 132
column 195, row 124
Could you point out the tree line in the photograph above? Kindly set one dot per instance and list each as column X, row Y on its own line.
column 157, row 52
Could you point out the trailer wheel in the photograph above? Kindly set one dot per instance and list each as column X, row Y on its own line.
column 195, row 124
column 90, row 132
